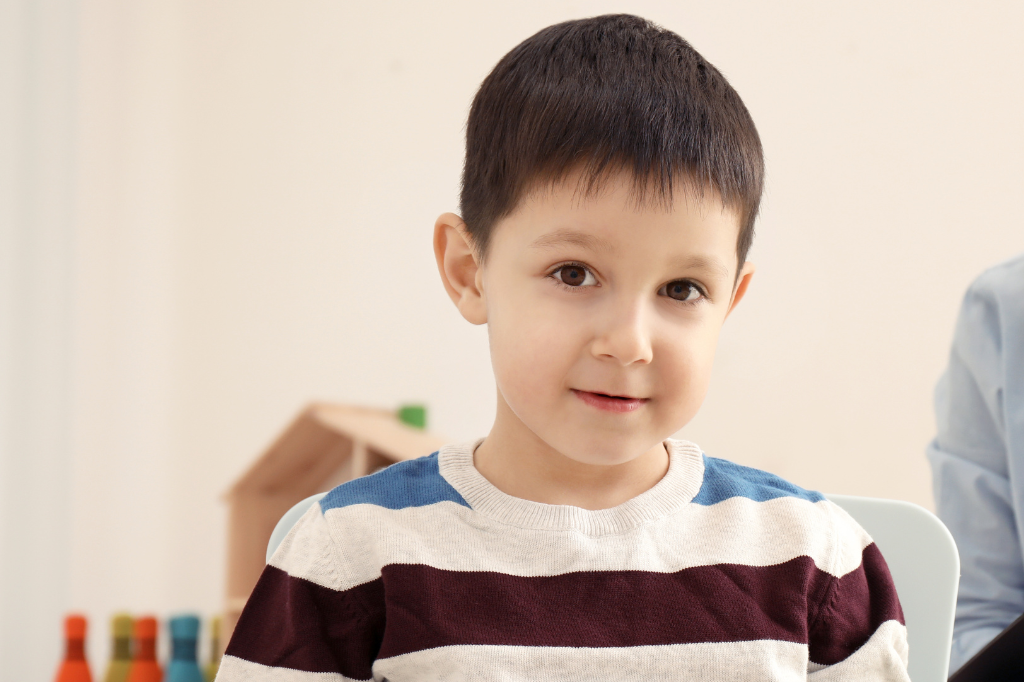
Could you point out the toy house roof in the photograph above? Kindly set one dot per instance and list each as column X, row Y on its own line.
column 323, row 437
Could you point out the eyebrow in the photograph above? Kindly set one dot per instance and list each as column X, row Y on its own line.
column 708, row 264
column 570, row 237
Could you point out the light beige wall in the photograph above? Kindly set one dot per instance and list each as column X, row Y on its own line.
column 258, row 181
column 324, row 140
column 129, row 537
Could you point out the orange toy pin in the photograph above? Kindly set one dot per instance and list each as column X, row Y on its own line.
column 144, row 665
column 74, row 668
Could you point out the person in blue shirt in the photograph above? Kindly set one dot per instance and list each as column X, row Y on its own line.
column 977, row 456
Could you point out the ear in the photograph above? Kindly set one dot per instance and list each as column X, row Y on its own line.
column 742, row 282
column 459, row 267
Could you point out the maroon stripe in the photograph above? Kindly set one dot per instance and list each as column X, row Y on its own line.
column 429, row 607
column 855, row 606
column 293, row 623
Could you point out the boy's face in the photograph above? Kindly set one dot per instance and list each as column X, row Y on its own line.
column 603, row 317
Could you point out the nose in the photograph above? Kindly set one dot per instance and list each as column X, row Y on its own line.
column 624, row 335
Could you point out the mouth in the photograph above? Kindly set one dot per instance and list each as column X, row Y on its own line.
column 610, row 403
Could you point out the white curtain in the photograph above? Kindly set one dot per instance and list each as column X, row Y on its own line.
column 88, row 138
column 38, row 42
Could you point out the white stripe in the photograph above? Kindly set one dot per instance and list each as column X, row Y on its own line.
column 234, row 669
column 309, row 552
column 882, row 657
column 722, row 662
column 452, row 537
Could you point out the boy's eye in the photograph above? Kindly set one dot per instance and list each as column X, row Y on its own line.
column 681, row 290
column 575, row 276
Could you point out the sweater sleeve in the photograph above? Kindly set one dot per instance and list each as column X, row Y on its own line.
column 973, row 460
column 303, row 621
column 857, row 631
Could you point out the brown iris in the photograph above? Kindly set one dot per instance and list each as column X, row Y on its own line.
column 573, row 275
column 680, row 290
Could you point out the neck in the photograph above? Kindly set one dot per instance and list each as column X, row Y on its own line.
column 122, row 649
column 75, row 650
column 145, row 650
column 517, row 462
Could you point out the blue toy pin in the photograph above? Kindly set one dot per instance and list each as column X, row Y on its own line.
column 183, row 666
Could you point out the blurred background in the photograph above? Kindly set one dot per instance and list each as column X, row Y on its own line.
column 212, row 213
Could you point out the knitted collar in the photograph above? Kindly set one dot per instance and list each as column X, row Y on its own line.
column 677, row 487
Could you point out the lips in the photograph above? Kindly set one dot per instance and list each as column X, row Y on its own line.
column 610, row 403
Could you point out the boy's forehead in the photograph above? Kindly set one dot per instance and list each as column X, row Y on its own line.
column 574, row 212
column 579, row 192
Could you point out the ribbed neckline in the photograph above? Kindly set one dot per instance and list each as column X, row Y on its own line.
column 677, row 487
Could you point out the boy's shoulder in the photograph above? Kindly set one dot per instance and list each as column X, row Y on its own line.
column 725, row 480
column 412, row 483
column 772, row 507
column 419, row 483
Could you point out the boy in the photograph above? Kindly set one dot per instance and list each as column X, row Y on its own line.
column 611, row 182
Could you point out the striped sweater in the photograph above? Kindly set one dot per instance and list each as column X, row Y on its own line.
column 426, row 571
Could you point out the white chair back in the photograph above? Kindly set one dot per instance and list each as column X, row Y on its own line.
column 925, row 566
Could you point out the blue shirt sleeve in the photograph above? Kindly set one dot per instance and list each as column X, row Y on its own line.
column 977, row 456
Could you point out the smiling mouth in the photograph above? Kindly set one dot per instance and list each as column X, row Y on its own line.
column 610, row 403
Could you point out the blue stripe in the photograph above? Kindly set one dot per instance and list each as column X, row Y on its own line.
column 724, row 479
column 413, row 483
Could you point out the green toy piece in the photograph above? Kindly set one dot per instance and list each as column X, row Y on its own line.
column 413, row 415
column 121, row 657
column 183, row 666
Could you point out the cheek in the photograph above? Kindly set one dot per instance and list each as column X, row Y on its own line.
column 532, row 348
column 685, row 367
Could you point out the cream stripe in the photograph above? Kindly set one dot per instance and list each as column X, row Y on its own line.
column 722, row 662
column 452, row 537
column 234, row 669
column 308, row 552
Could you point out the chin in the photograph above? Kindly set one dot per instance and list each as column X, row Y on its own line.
column 605, row 451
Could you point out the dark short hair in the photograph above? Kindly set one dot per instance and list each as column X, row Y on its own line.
column 605, row 94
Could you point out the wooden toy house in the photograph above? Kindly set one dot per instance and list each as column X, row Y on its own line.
column 324, row 446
